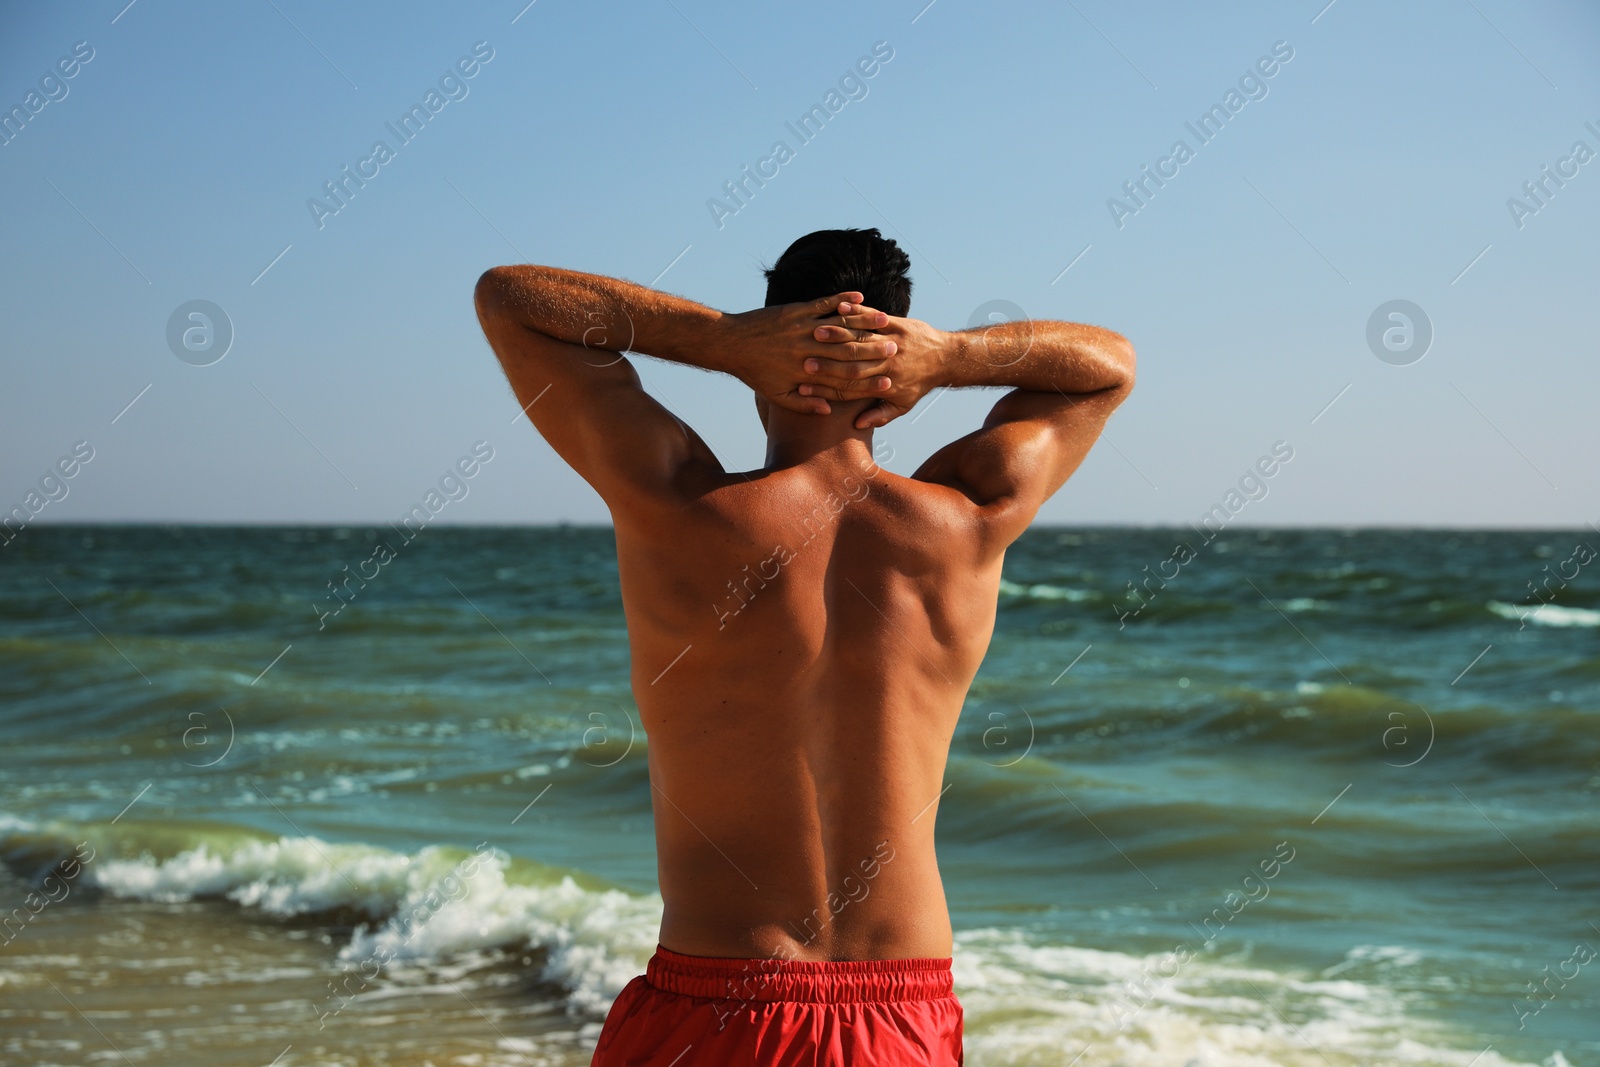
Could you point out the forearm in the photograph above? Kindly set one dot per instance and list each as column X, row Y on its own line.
column 607, row 314
column 1040, row 356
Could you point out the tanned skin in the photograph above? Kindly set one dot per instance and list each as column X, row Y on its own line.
column 803, row 635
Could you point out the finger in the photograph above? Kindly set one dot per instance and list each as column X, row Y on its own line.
column 871, row 390
column 854, row 345
column 805, row 405
column 876, row 348
column 837, row 334
column 860, row 317
column 880, row 414
column 860, row 323
column 850, row 372
column 846, row 390
column 825, row 391
column 828, row 305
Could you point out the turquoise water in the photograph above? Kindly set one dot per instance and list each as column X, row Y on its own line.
column 1309, row 797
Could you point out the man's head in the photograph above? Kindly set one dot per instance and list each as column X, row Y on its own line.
column 835, row 261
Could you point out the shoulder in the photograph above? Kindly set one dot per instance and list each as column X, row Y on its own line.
column 970, row 477
column 679, row 470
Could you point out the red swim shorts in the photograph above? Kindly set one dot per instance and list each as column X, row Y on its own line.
column 702, row 1011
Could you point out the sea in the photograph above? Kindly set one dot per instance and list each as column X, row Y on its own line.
column 1309, row 797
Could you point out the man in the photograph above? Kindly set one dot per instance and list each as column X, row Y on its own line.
column 803, row 635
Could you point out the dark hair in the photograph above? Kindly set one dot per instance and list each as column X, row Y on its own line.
column 833, row 261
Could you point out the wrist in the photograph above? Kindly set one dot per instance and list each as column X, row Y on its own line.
column 712, row 339
column 950, row 356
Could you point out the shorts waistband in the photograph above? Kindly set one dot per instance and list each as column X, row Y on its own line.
column 814, row 981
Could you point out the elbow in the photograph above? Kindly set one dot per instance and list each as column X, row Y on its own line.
column 488, row 295
column 510, row 292
column 1125, row 360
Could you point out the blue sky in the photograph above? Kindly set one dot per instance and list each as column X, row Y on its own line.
column 176, row 165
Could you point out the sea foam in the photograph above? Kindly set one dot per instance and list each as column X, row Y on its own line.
column 425, row 907
column 1041, row 591
column 1546, row 614
column 1033, row 1004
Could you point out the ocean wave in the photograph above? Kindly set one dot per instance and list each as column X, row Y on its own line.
column 1546, row 614
column 430, row 907
column 1032, row 1004
column 595, row 942
column 447, row 911
column 1041, row 591
column 1351, row 722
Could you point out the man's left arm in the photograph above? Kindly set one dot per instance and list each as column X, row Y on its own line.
column 560, row 335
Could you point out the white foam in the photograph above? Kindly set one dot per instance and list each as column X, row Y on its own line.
column 1040, row 591
column 1026, row 1002
column 427, row 907
column 12, row 824
column 1375, row 957
column 1546, row 614
column 595, row 941
column 290, row 876
column 1030, row 1004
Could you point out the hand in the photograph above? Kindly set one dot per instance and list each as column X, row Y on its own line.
column 897, row 383
column 769, row 348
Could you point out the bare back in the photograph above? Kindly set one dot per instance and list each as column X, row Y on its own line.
column 802, row 636
column 803, row 640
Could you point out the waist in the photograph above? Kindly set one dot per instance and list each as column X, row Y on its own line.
column 812, row 981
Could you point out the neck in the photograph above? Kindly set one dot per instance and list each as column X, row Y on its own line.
column 794, row 438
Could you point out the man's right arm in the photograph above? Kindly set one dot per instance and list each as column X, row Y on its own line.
column 1065, row 379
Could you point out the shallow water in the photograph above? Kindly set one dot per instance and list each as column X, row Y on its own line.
column 283, row 817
